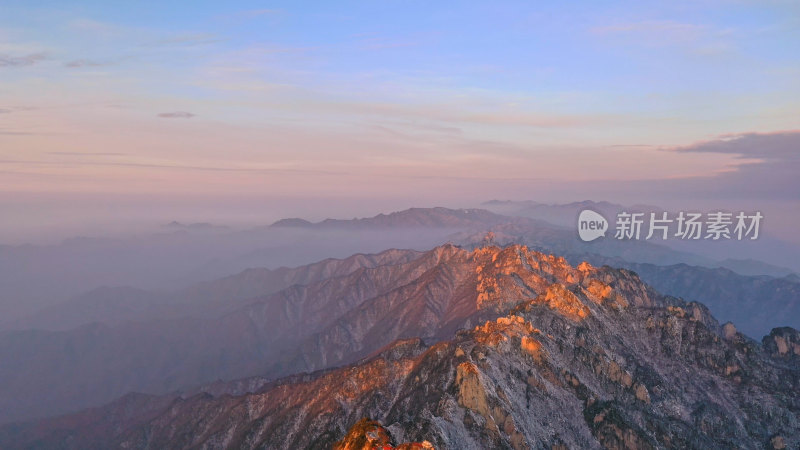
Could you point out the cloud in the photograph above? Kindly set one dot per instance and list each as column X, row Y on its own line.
column 84, row 63
column 776, row 146
column 263, row 170
column 189, row 39
column 19, row 61
column 94, row 26
column 696, row 39
column 382, row 43
column 260, row 12
column 177, row 115
column 460, row 113
column 16, row 133
column 239, row 17
column 663, row 27
column 768, row 170
column 86, row 153
column 764, row 172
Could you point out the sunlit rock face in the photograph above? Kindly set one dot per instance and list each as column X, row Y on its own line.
column 491, row 348
column 368, row 435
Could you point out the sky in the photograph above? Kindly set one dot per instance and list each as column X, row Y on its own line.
column 246, row 112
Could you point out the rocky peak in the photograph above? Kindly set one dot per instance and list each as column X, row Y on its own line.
column 516, row 275
column 783, row 343
column 368, row 434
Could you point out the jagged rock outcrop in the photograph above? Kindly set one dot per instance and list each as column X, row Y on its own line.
column 368, row 434
column 574, row 357
column 756, row 304
column 783, row 343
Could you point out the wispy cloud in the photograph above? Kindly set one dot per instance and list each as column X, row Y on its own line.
column 78, row 63
column 650, row 27
column 262, row 170
column 237, row 17
column 631, row 146
column 16, row 133
column 176, row 115
column 95, row 26
column 86, row 153
column 25, row 60
column 432, row 127
column 382, row 43
column 378, row 41
column 701, row 39
column 452, row 113
column 189, row 39
column 260, row 12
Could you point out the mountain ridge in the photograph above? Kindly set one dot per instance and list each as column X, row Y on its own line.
column 588, row 357
column 412, row 217
column 323, row 322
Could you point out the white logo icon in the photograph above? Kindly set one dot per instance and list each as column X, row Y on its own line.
column 591, row 225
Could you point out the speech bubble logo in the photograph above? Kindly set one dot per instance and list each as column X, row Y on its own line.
column 591, row 225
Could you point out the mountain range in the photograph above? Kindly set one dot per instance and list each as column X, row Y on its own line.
column 209, row 333
column 268, row 323
column 493, row 347
column 744, row 257
column 755, row 303
column 437, row 217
